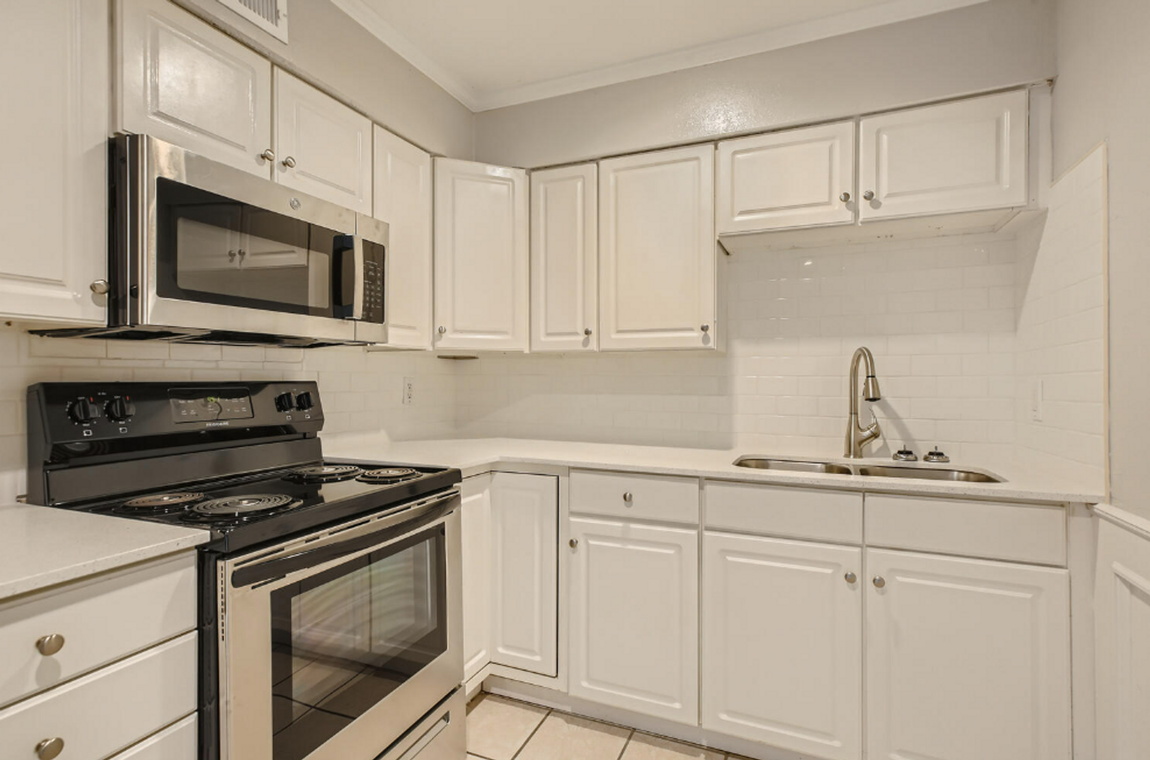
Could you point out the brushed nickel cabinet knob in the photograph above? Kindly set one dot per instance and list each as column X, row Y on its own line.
column 850, row 577
column 289, row 162
column 628, row 498
column 99, row 287
column 442, row 330
column 868, row 195
column 50, row 644
column 49, row 749
column 879, row 581
column 268, row 155
column 705, row 328
column 587, row 332
column 573, row 543
column 845, row 197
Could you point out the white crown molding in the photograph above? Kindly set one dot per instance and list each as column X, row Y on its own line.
column 366, row 17
column 773, row 39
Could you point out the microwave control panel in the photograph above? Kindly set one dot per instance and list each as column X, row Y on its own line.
column 373, row 275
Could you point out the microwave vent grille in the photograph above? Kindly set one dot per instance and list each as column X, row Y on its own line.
column 269, row 15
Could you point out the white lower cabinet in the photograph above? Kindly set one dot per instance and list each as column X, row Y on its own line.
column 179, row 741
column 634, row 617
column 782, row 643
column 475, row 528
column 966, row 659
column 524, row 558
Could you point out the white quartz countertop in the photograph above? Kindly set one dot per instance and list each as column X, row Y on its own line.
column 477, row 455
column 43, row 546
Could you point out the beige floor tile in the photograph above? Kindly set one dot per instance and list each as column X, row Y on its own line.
column 647, row 747
column 497, row 728
column 565, row 737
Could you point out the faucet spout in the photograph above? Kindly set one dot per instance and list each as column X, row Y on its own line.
column 858, row 436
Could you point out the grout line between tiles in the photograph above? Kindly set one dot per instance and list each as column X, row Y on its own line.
column 534, row 731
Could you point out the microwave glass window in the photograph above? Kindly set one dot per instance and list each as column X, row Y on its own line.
column 215, row 250
column 346, row 638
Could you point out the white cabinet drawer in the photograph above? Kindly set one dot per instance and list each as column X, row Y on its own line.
column 639, row 497
column 101, row 619
column 108, row 710
column 1016, row 532
column 792, row 512
column 178, row 741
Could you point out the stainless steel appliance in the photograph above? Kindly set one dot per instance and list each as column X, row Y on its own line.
column 203, row 252
column 330, row 607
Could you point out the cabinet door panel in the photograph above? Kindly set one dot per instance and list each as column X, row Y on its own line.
column 565, row 259
column 961, row 156
column 657, row 250
column 475, row 527
column 402, row 198
column 328, row 143
column 524, row 555
column 54, row 194
column 966, row 659
column 782, row 643
column 184, row 82
column 481, row 256
column 787, row 179
column 634, row 618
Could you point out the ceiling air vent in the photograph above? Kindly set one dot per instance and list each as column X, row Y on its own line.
column 269, row 15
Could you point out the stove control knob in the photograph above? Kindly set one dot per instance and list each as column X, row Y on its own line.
column 303, row 401
column 285, row 402
column 83, row 411
column 119, row 409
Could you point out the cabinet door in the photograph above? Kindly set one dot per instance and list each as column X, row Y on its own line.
column 787, row 179
column 657, row 250
column 783, row 613
column 524, row 555
column 184, row 82
column 323, row 148
column 565, row 259
column 634, row 617
column 402, row 198
column 475, row 528
column 966, row 659
column 481, row 256
column 54, row 76
column 942, row 159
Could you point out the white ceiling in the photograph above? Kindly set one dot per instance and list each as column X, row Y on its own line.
column 493, row 53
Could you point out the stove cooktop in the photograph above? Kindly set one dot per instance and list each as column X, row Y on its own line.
column 245, row 510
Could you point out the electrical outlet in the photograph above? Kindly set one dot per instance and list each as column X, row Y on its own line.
column 1036, row 401
column 408, row 391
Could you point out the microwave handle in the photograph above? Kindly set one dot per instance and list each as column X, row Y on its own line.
column 425, row 515
column 359, row 275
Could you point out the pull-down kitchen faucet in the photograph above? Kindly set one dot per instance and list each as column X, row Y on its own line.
column 857, row 436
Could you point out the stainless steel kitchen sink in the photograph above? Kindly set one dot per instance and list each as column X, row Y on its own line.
column 793, row 465
column 926, row 472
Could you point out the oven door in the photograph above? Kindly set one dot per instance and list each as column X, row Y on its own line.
column 336, row 644
column 210, row 247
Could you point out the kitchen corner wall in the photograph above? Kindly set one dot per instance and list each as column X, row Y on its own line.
column 361, row 391
column 1062, row 321
column 939, row 315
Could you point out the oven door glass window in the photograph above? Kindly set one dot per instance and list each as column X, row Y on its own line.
column 346, row 638
column 211, row 249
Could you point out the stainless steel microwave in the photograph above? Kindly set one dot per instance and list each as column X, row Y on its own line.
column 200, row 251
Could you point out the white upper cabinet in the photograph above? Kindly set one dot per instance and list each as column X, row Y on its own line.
column 402, row 198
column 524, row 558
column 323, row 148
column 635, row 617
column 966, row 659
column 565, row 259
column 798, row 178
column 657, row 250
column 961, row 156
column 481, row 256
column 184, row 82
column 777, row 613
column 54, row 76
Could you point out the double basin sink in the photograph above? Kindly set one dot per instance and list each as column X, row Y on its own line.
column 922, row 472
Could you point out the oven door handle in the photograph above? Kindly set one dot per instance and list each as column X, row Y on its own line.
column 301, row 560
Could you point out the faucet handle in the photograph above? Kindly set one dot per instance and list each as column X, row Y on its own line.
column 935, row 456
column 904, row 455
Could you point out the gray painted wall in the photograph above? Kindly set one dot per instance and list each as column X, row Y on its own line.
column 1103, row 80
column 996, row 44
column 339, row 56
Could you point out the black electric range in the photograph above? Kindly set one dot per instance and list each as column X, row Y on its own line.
column 244, row 461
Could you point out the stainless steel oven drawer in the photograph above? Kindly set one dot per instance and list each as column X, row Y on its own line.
column 442, row 735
